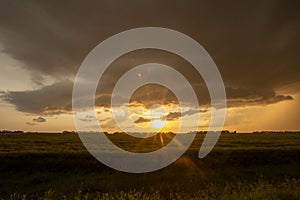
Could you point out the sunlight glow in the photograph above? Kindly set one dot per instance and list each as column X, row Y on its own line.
column 158, row 124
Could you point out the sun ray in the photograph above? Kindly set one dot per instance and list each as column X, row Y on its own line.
column 161, row 139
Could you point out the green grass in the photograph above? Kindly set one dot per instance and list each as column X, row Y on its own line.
column 241, row 166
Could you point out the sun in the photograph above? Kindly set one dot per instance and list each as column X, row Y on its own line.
column 157, row 112
column 158, row 124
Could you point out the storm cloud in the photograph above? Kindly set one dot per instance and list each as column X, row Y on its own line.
column 171, row 116
column 53, row 99
column 176, row 115
column 142, row 120
column 39, row 119
column 254, row 44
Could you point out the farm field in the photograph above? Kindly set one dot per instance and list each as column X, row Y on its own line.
column 241, row 166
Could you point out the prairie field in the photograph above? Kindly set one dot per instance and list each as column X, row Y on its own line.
column 241, row 166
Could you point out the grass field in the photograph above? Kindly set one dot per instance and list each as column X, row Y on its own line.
column 241, row 166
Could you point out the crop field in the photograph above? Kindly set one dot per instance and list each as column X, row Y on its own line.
column 241, row 166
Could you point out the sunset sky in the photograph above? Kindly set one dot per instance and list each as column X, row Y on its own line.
column 255, row 45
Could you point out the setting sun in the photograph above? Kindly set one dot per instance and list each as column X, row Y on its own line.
column 158, row 124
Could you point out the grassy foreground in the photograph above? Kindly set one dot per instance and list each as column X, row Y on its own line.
column 241, row 166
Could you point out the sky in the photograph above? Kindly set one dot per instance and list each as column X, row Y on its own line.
column 255, row 45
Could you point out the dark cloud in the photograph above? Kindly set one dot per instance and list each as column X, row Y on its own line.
column 170, row 116
column 246, row 39
column 39, row 119
column 251, row 96
column 53, row 99
column 254, row 44
column 176, row 115
column 151, row 94
column 104, row 100
column 57, row 98
column 142, row 120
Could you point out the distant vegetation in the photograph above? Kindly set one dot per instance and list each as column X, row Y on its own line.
column 241, row 166
column 280, row 132
column 193, row 132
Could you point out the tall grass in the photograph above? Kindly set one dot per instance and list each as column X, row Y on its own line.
column 289, row 189
column 249, row 166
